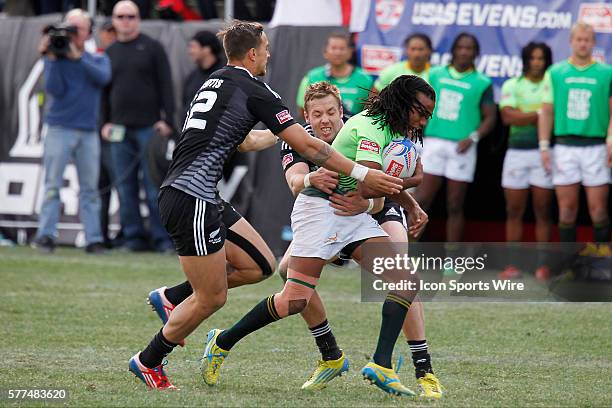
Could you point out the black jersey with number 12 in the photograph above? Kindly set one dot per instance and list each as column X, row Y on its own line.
column 224, row 110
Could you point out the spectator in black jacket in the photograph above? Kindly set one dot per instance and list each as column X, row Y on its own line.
column 205, row 51
column 139, row 102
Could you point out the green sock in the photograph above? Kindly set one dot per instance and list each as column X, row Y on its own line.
column 601, row 231
column 567, row 232
column 260, row 316
column 393, row 314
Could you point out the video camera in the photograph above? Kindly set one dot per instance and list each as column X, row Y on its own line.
column 59, row 38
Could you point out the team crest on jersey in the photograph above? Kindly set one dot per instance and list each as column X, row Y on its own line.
column 389, row 13
column 394, row 169
column 288, row 158
column 283, row 116
column 369, row 146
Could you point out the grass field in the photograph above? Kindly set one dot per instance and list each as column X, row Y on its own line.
column 72, row 321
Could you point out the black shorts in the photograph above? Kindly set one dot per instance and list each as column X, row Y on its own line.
column 229, row 215
column 195, row 226
column 391, row 211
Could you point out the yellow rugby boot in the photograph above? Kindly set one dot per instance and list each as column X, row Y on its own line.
column 326, row 371
column 429, row 386
column 213, row 358
column 386, row 379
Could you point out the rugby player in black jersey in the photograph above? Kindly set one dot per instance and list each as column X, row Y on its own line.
column 320, row 233
column 244, row 246
column 224, row 110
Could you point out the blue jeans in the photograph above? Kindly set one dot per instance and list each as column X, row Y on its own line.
column 128, row 157
column 83, row 147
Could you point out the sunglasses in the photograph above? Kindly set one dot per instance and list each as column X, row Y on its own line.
column 125, row 16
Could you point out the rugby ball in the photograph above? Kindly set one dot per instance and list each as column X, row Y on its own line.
column 399, row 158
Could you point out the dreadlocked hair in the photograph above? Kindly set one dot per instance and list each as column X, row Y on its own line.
column 392, row 106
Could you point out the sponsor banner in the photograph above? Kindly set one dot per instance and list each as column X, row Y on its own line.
column 502, row 27
column 467, row 272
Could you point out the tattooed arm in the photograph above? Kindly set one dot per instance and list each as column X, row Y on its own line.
column 322, row 154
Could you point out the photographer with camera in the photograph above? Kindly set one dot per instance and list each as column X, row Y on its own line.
column 74, row 79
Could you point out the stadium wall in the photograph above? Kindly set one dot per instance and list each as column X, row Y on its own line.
column 262, row 195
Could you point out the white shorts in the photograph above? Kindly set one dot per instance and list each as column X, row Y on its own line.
column 440, row 158
column 580, row 164
column 523, row 168
column 319, row 233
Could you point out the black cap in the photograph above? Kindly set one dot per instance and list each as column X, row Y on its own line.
column 107, row 26
column 206, row 38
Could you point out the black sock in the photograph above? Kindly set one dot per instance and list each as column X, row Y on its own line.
column 567, row 232
column 393, row 314
column 601, row 232
column 420, row 357
column 260, row 316
column 326, row 341
column 156, row 351
column 178, row 293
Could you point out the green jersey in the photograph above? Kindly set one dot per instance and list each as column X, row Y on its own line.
column 388, row 74
column 359, row 139
column 580, row 98
column 459, row 97
column 522, row 94
column 354, row 89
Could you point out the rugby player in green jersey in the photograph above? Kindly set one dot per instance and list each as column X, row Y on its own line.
column 353, row 82
column 323, row 113
column 578, row 97
column 523, row 170
column 401, row 110
column 418, row 49
column 465, row 113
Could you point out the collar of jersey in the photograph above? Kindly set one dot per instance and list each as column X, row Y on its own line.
column 242, row 68
column 329, row 75
column 583, row 67
column 524, row 78
column 409, row 66
column 459, row 75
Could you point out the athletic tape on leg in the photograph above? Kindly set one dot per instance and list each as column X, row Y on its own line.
column 295, row 294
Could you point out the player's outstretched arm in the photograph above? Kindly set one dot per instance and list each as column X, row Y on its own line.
column 298, row 178
column 258, row 140
column 322, row 154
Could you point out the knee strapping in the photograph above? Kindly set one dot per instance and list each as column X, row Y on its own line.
column 295, row 295
column 252, row 251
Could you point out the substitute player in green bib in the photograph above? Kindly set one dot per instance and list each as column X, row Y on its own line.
column 465, row 112
column 578, row 96
column 417, row 48
column 520, row 101
column 353, row 82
